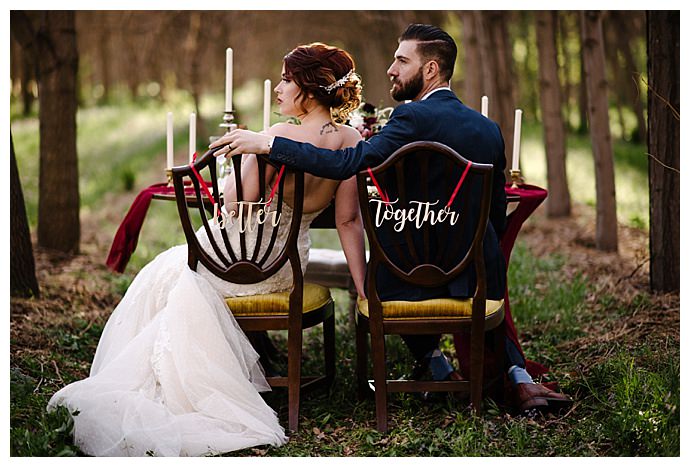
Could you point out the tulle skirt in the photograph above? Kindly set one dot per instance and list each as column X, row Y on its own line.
column 173, row 374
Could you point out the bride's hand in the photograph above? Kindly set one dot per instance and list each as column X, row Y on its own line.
column 241, row 142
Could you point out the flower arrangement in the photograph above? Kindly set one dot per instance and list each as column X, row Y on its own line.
column 369, row 120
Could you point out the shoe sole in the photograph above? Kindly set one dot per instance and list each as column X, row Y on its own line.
column 538, row 403
column 544, row 405
column 558, row 404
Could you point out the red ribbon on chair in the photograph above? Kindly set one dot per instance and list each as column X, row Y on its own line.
column 275, row 187
column 204, row 187
column 382, row 193
column 384, row 196
column 457, row 187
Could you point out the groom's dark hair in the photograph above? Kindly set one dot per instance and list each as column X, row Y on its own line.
column 433, row 44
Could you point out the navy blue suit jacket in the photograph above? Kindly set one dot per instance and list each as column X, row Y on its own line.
column 443, row 118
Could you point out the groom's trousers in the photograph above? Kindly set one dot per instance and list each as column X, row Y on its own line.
column 422, row 345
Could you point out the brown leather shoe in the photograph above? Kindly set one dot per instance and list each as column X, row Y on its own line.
column 543, row 399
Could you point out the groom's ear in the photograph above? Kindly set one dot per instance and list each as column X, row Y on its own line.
column 431, row 69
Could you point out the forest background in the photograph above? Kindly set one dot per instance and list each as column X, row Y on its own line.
column 597, row 268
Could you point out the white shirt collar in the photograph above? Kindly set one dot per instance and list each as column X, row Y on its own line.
column 444, row 88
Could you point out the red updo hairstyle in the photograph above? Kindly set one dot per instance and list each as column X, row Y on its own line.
column 314, row 67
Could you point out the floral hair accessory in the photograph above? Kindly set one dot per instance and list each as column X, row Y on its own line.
column 338, row 83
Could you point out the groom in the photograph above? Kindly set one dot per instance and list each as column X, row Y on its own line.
column 421, row 72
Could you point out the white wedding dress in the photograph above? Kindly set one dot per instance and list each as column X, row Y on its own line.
column 174, row 375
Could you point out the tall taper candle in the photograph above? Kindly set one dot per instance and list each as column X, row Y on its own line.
column 169, row 139
column 228, row 79
column 516, row 139
column 192, row 136
column 485, row 106
column 267, row 104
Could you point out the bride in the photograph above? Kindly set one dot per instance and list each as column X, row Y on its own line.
column 166, row 383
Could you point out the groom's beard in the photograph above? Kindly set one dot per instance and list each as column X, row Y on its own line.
column 404, row 91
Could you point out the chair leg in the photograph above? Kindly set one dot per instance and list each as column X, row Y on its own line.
column 294, row 376
column 378, row 356
column 477, row 369
column 361, row 356
column 329, row 348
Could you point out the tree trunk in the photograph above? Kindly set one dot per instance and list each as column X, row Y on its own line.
column 104, row 58
column 582, row 94
column 51, row 39
column 21, row 74
column 558, row 202
column 23, row 281
column 632, row 76
column 617, row 72
column 663, row 65
column 526, row 89
column 27, row 92
column 566, row 84
column 497, row 63
column 472, row 89
column 598, row 113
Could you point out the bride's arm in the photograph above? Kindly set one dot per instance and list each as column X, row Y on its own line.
column 348, row 221
column 250, row 180
column 250, row 171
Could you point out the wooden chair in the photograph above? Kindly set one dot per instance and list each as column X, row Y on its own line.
column 304, row 306
column 424, row 256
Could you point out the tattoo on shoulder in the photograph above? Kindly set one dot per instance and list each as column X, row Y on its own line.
column 328, row 127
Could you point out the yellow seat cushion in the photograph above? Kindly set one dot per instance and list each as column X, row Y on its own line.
column 278, row 303
column 435, row 308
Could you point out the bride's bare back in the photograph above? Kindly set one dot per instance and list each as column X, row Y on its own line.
column 318, row 192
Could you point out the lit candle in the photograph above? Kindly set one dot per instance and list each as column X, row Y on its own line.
column 169, row 134
column 228, row 79
column 516, row 140
column 267, row 104
column 192, row 136
column 485, row 106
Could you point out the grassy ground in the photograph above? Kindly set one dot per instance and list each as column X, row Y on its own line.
column 610, row 344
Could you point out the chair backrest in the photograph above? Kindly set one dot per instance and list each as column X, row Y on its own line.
column 433, row 225
column 249, row 252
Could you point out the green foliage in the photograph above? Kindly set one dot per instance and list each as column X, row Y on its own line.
column 543, row 300
column 33, row 430
column 128, row 178
column 630, row 164
column 642, row 407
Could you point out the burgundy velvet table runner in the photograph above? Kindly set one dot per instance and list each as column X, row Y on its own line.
column 127, row 235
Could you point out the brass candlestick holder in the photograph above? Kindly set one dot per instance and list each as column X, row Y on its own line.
column 228, row 124
column 228, row 121
column 516, row 178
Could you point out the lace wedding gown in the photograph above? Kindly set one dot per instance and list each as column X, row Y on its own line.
column 174, row 375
